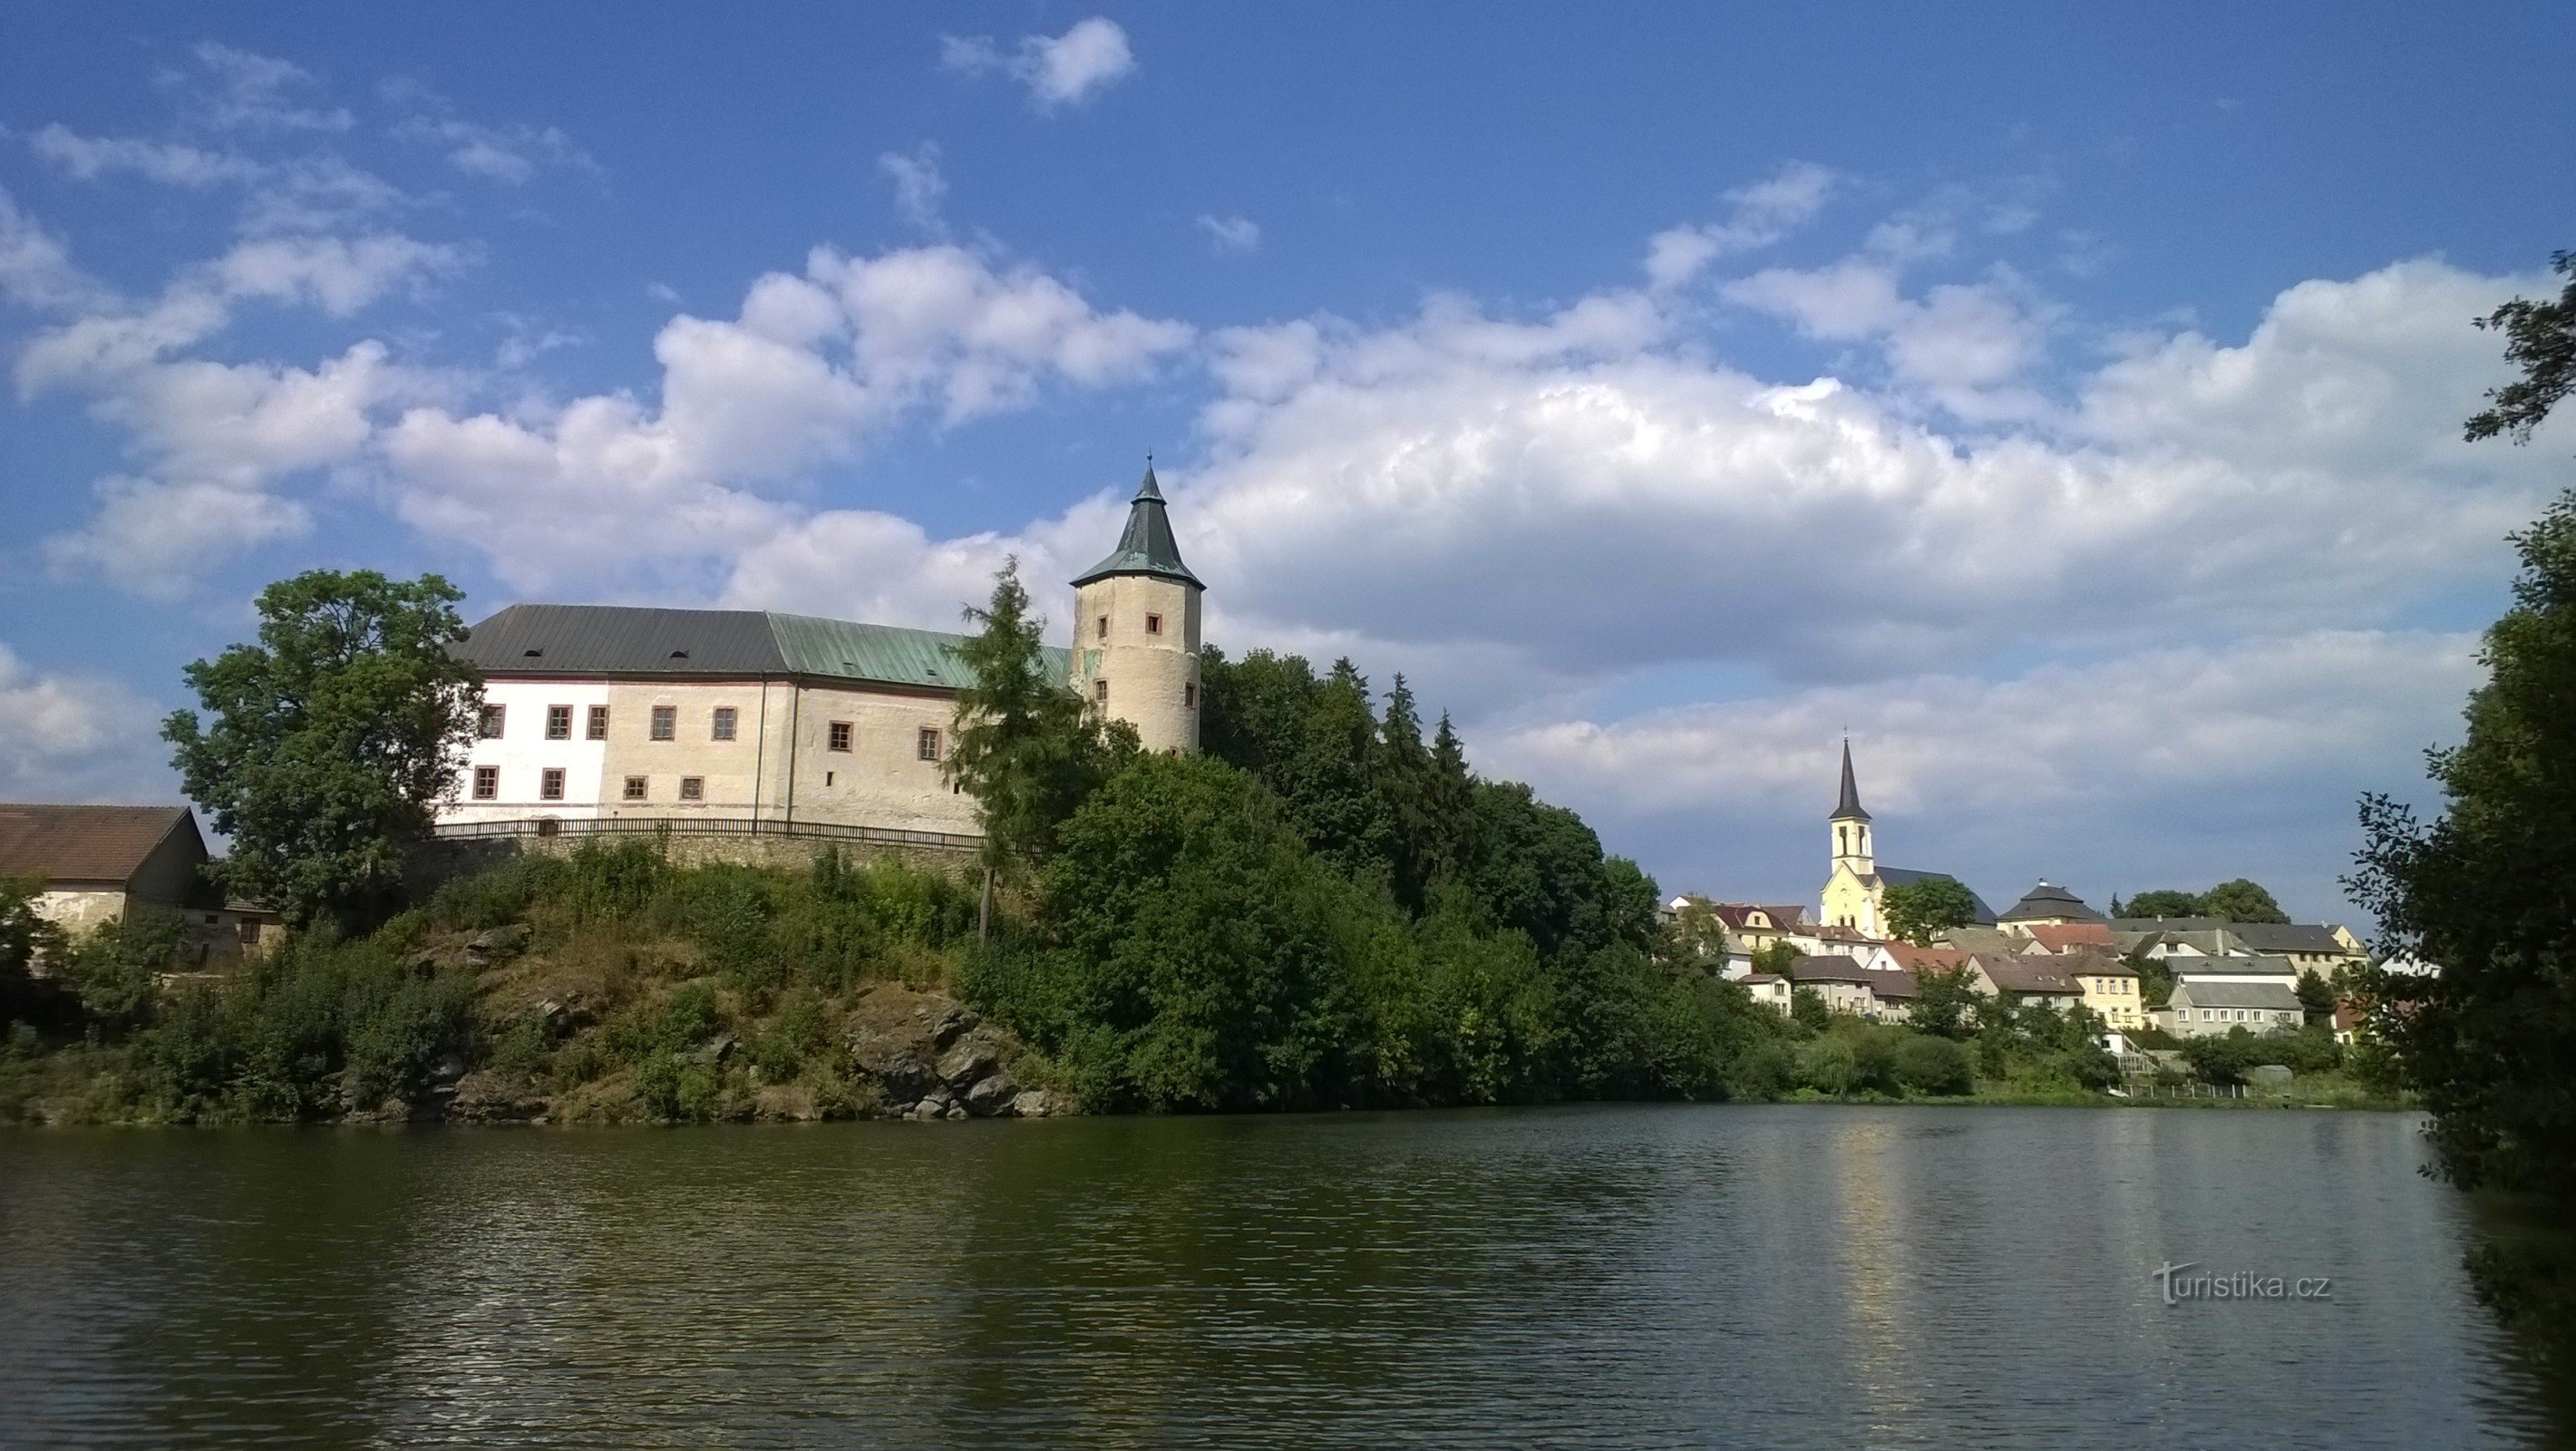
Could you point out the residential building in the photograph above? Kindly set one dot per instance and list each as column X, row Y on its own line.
column 2109, row 985
column 1848, row 987
column 98, row 864
column 1769, row 989
column 1856, row 885
column 2069, row 936
column 2200, row 1009
column 2027, row 979
column 594, row 711
column 2048, row 906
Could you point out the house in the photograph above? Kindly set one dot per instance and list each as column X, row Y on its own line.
column 1903, row 956
column 2048, row 906
column 100, row 863
column 1848, row 987
column 2310, row 946
column 2069, row 936
column 2233, row 969
column 1769, row 989
column 2200, row 1009
column 2027, row 979
column 2109, row 985
column 755, row 717
column 1856, row 885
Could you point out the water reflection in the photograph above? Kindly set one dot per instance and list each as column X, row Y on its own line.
column 1780, row 1276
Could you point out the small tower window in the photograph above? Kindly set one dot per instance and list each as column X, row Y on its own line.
column 1153, row 624
column 1190, row 696
column 1101, row 627
column 1100, row 690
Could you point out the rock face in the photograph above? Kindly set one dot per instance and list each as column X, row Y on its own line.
column 933, row 1058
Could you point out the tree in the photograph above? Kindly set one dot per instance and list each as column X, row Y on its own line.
column 2241, row 900
column 1807, row 1008
column 1025, row 746
column 1775, row 959
column 26, row 937
column 1918, row 910
column 2482, row 890
column 2316, row 997
column 2155, row 980
column 2223, row 1058
column 2541, row 338
column 2162, row 902
column 1949, row 1003
column 332, row 739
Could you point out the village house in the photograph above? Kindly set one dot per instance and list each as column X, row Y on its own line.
column 755, row 720
column 2205, row 1008
column 100, row 864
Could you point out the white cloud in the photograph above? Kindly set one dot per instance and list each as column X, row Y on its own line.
column 1758, row 215
column 157, row 538
column 1964, row 345
column 1061, row 70
column 1231, row 234
column 512, row 155
column 243, row 89
column 66, row 737
column 36, row 269
column 311, row 192
column 919, row 188
column 172, row 163
column 339, row 275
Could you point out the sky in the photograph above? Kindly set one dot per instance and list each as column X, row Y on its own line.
column 2063, row 401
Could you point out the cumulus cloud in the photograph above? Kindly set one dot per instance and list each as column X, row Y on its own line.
column 808, row 370
column 1757, row 216
column 235, row 88
column 156, row 538
column 1060, row 70
column 65, row 737
column 1964, row 345
column 1231, row 234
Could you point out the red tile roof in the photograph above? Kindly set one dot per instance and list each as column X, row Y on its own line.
column 2073, row 934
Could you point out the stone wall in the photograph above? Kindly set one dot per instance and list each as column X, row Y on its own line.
column 436, row 862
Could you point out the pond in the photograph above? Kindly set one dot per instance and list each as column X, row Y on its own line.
column 1788, row 1275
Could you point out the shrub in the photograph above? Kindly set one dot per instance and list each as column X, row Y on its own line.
column 1937, row 1066
column 115, row 970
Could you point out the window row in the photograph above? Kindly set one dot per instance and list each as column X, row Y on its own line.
column 550, row 785
column 2241, row 1015
column 1189, row 692
column 1153, row 625
column 841, row 735
column 722, row 723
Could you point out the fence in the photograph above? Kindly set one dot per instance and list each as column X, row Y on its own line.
column 2187, row 1090
column 700, row 826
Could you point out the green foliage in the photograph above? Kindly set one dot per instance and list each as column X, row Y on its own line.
column 2241, row 900
column 25, row 935
column 1949, row 1004
column 2316, row 997
column 1807, row 1009
column 1916, row 911
column 2155, row 979
column 2540, row 337
column 2162, row 902
column 1025, row 746
column 2223, row 1058
column 1936, row 1066
column 2480, row 891
column 115, row 969
column 331, row 740
column 1775, row 959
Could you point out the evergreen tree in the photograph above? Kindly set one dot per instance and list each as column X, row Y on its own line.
column 332, row 739
column 1405, row 768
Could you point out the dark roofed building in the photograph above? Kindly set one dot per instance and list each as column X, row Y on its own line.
column 2051, row 904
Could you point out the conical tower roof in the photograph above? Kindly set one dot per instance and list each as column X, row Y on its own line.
column 1848, row 808
column 1147, row 546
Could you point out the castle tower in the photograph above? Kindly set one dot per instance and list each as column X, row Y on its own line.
column 1136, row 629
column 1851, row 824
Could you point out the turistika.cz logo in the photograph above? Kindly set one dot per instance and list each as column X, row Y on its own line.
column 2178, row 1285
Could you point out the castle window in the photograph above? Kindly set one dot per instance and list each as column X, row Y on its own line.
column 1103, row 628
column 926, row 744
column 1100, row 690
column 1190, row 696
column 1153, row 624
column 693, row 788
column 634, row 788
column 487, row 783
column 558, row 722
column 598, row 729
column 550, row 785
column 488, row 725
column 836, row 736
column 724, row 718
column 666, row 722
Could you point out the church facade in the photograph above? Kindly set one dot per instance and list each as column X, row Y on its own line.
column 1856, row 885
column 750, row 716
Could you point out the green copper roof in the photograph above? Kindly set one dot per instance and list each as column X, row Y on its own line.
column 1147, row 547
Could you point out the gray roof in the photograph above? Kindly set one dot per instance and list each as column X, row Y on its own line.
column 2269, row 996
column 2191, row 967
column 1848, row 808
column 2288, row 937
column 633, row 640
column 1147, row 546
column 1907, row 876
column 1827, row 967
column 2046, row 900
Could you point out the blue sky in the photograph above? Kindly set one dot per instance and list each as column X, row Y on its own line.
column 2064, row 402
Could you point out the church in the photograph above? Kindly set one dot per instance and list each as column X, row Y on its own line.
column 752, row 717
column 1857, row 885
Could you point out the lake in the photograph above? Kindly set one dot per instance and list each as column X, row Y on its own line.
column 1787, row 1275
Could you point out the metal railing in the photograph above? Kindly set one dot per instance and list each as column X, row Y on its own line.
column 557, row 826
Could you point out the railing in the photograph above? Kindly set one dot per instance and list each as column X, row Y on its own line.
column 701, row 826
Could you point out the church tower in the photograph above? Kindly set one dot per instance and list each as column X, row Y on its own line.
column 1851, row 824
column 1136, row 629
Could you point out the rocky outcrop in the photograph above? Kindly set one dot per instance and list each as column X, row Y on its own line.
column 931, row 1057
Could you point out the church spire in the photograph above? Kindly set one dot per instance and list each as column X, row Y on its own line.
column 1848, row 808
column 1147, row 546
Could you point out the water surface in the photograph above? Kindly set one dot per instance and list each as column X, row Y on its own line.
column 1616, row 1277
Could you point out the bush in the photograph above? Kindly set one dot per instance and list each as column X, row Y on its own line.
column 1936, row 1066
column 115, row 970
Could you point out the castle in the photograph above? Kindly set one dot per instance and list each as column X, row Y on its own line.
column 751, row 717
